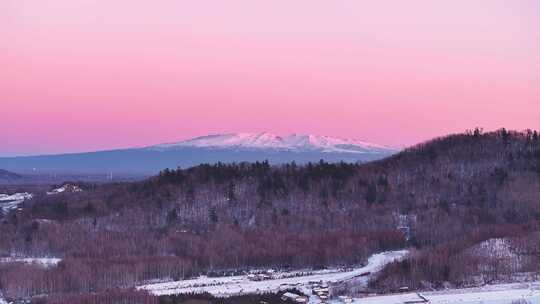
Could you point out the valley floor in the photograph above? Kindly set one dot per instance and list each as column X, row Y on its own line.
column 240, row 285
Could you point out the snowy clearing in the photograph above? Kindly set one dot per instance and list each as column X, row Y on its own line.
column 65, row 188
column 43, row 262
column 238, row 285
column 11, row 202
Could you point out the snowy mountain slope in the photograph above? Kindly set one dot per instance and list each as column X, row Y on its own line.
column 268, row 141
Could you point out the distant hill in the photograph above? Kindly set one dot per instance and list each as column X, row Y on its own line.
column 7, row 176
column 225, row 148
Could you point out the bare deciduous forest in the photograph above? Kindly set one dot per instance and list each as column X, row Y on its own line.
column 441, row 198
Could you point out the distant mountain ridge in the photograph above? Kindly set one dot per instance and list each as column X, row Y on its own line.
column 226, row 148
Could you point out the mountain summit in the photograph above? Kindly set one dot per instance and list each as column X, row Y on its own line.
column 269, row 141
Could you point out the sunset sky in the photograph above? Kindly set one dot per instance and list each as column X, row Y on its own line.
column 82, row 75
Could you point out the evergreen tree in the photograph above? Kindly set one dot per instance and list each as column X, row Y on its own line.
column 231, row 197
column 371, row 194
column 172, row 216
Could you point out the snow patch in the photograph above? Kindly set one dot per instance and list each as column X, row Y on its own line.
column 43, row 262
column 65, row 188
column 11, row 202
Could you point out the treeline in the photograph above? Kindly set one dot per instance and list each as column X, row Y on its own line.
column 270, row 298
column 137, row 297
column 215, row 218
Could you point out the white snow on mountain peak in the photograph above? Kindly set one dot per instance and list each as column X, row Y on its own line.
column 265, row 140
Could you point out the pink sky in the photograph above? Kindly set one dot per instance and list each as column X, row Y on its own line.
column 79, row 75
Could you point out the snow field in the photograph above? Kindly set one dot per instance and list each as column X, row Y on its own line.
column 491, row 294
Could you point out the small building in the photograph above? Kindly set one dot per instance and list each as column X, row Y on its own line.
column 294, row 297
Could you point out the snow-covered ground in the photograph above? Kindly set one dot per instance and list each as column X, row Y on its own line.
column 11, row 202
column 44, row 262
column 490, row 294
column 2, row 299
column 237, row 285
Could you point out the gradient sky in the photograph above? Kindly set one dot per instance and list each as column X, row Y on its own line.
column 79, row 75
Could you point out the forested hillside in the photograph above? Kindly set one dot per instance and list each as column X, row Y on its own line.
column 441, row 197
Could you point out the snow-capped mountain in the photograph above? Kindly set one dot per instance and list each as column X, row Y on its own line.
column 269, row 141
column 225, row 148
